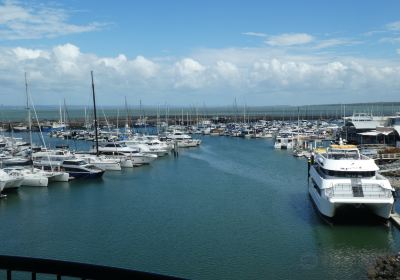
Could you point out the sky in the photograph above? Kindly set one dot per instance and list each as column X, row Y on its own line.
column 196, row 53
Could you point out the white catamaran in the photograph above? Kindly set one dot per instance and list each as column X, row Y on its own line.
column 341, row 176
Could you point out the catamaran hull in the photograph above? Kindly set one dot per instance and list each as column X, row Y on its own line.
column 35, row 182
column 13, row 184
column 61, row 177
column 328, row 207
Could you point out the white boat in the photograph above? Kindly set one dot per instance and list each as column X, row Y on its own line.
column 183, row 140
column 8, row 181
column 31, row 177
column 55, row 176
column 284, row 142
column 146, row 148
column 78, row 168
column 124, row 161
column 134, row 155
column 340, row 176
column 101, row 161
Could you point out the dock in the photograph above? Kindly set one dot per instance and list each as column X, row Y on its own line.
column 395, row 217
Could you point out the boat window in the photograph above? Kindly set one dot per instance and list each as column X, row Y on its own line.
column 77, row 162
column 348, row 174
column 317, row 188
column 114, row 145
column 319, row 170
column 73, row 169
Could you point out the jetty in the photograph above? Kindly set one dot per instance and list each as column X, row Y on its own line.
column 395, row 218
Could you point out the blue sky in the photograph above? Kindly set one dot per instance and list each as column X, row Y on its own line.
column 195, row 52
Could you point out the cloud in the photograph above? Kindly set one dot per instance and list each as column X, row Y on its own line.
column 398, row 51
column 256, row 34
column 189, row 74
column 262, row 75
column 289, row 39
column 66, row 59
column 334, row 42
column 144, row 67
column 393, row 26
column 22, row 22
column 391, row 40
column 26, row 54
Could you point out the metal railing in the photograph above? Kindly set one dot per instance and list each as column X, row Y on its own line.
column 60, row 269
column 368, row 190
column 386, row 156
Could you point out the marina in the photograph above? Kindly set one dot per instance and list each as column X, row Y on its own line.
column 199, row 140
column 167, row 217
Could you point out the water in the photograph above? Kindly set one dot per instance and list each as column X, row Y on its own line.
column 10, row 114
column 231, row 209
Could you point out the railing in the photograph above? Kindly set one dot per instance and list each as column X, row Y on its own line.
column 368, row 191
column 60, row 269
column 386, row 156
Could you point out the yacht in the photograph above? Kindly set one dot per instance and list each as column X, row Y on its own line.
column 284, row 142
column 134, row 155
column 31, row 177
column 183, row 140
column 340, row 176
column 102, row 162
column 79, row 168
column 146, row 147
column 8, row 181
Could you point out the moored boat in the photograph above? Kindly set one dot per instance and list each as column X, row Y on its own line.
column 340, row 176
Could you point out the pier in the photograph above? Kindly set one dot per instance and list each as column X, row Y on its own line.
column 395, row 218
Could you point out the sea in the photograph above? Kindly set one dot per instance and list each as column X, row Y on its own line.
column 43, row 113
column 232, row 208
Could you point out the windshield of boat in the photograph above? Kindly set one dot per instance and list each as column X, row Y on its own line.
column 343, row 154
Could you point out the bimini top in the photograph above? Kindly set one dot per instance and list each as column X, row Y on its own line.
column 345, row 158
column 343, row 147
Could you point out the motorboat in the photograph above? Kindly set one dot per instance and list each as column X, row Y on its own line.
column 133, row 154
column 341, row 176
column 102, row 162
column 284, row 142
column 79, row 168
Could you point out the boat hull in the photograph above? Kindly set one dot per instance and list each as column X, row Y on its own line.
column 59, row 177
column 85, row 175
column 328, row 207
column 13, row 184
column 35, row 182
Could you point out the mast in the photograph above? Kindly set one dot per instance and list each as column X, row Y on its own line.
column 298, row 126
column 117, row 122
column 29, row 115
column 127, row 126
column 61, row 118
column 95, row 116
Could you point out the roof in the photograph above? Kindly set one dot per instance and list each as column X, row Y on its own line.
column 375, row 133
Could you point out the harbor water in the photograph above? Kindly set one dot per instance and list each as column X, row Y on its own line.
column 230, row 209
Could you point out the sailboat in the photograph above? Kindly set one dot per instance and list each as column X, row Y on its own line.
column 29, row 175
column 80, row 167
column 34, row 176
column 60, row 125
